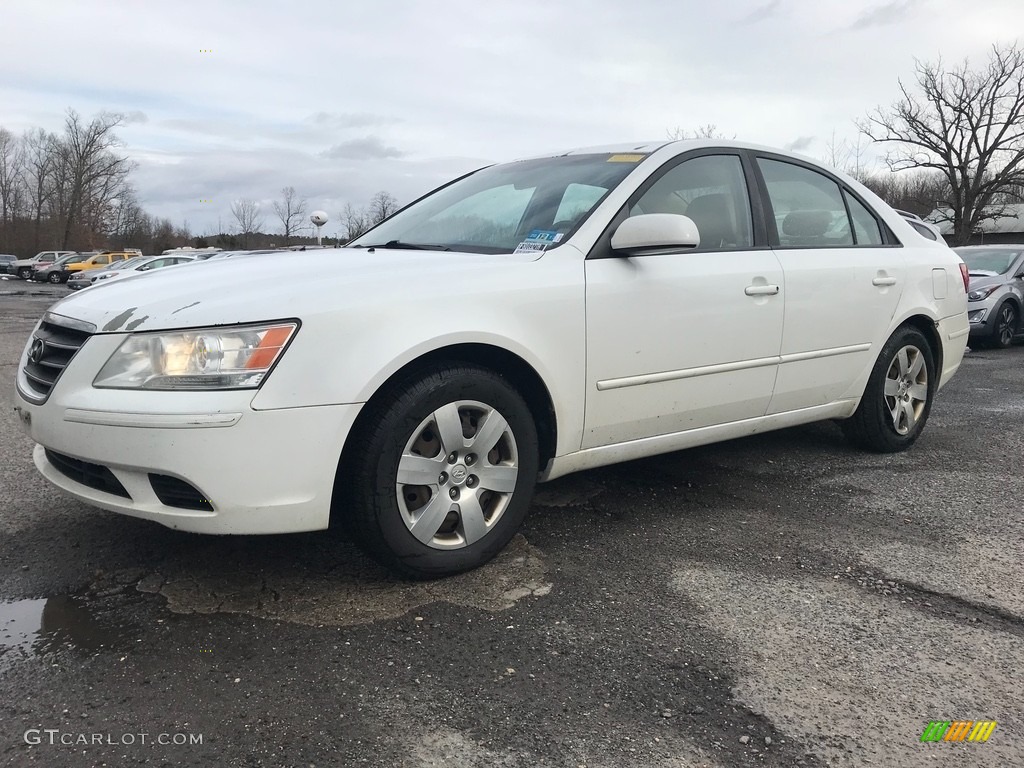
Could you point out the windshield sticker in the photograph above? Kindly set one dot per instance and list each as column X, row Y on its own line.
column 530, row 246
column 542, row 236
column 558, row 238
column 538, row 240
column 626, row 158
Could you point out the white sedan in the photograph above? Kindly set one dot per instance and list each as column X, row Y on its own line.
column 140, row 265
column 524, row 321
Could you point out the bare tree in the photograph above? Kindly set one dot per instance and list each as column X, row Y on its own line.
column 40, row 157
column 382, row 205
column 915, row 192
column 709, row 131
column 847, row 156
column 967, row 124
column 290, row 209
column 354, row 220
column 250, row 219
column 12, row 159
column 91, row 173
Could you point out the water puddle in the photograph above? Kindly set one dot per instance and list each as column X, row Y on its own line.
column 37, row 627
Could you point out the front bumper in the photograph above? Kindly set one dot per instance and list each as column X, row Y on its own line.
column 982, row 317
column 261, row 472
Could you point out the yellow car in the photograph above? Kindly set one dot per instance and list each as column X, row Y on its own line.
column 102, row 259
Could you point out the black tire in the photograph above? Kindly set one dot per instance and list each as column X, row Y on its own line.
column 24, row 272
column 1005, row 326
column 366, row 502
column 873, row 426
column 54, row 277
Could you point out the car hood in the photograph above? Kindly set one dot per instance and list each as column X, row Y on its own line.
column 983, row 281
column 277, row 286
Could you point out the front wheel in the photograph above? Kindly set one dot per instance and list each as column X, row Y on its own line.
column 25, row 273
column 1005, row 327
column 54, row 277
column 898, row 396
column 438, row 475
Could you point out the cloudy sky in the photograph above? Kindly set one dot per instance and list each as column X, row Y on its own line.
column 228, row 99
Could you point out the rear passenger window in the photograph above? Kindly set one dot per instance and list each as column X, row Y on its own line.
column 808, row 206
column 865, row 226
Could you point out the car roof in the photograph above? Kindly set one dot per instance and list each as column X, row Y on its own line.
column 679, row 145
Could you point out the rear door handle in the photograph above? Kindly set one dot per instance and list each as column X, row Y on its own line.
column 761, row 290
column 883, row 281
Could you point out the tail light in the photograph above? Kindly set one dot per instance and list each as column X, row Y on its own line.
column 964, row 274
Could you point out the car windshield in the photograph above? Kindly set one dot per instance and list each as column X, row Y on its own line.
column 995, row 261
column 132, row 262
column 521, row 206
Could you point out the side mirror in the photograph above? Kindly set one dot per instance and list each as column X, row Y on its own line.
column 653, row 233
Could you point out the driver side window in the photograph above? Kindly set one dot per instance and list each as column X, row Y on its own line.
column 712, row 191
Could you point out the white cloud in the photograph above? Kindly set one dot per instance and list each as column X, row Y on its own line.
column 340, row 100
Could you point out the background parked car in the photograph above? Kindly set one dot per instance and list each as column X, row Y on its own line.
column 995, row 298
column 24, row 268
column 102, row 259
column 221, row 255
column 6, row 260
column 55, row 272
column 136, row 266
column 85, row 278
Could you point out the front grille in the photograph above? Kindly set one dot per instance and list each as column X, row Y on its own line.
column 175, row 492
column 93, row 475
column 50, row 351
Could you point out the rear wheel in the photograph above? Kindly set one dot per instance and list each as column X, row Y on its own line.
column 54, row 277
column 438, row 476
column 24, row 272
column 1005, row 327
column 898, row 397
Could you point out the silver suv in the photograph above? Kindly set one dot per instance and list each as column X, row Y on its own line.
column 995, row 297
column 24, row 268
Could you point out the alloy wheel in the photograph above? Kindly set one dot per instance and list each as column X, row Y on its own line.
column 906, row 388
column 1005, row 326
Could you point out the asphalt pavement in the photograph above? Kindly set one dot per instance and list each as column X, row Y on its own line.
column 779, row 600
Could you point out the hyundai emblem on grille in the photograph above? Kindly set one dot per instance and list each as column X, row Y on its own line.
column 37, row 350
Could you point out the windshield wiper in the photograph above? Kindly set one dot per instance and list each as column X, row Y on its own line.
column 410, row 246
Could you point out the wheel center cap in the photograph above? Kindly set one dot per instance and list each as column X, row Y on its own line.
column 459, row 474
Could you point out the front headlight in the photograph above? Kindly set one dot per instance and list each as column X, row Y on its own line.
column 982, row 293
column 213, row 358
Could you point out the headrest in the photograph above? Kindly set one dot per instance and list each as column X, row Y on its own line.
column 806, row 223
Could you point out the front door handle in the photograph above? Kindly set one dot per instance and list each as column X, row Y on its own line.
column 883, row 281
column 761, row 290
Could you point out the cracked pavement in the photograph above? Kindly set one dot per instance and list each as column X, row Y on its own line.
column 780, row 600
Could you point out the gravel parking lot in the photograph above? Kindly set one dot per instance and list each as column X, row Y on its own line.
column 780, row 600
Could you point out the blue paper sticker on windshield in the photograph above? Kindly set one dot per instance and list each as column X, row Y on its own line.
column 538, row 240
column 542, row 236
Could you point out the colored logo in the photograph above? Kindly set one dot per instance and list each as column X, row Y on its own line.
column 958, row 730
